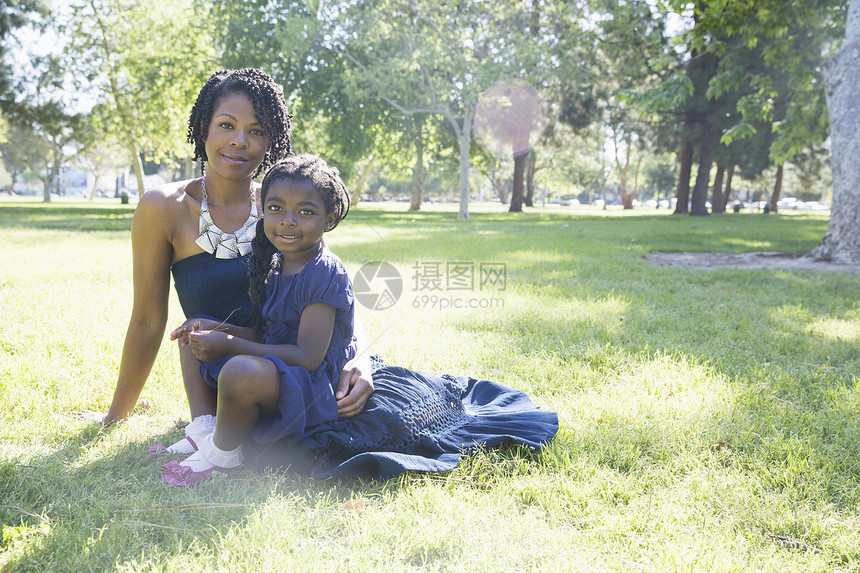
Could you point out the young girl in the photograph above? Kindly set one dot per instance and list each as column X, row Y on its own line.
column 276, row 378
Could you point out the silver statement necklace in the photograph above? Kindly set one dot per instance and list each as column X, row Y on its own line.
column 225, row 245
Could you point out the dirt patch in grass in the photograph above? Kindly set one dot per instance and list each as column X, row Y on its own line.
column 763, row 260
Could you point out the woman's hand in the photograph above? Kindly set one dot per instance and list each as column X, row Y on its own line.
column 209, row 344
column 90, row 417
column 100, row 418
column 353, row 391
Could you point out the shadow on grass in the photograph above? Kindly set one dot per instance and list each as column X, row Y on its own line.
column 65, row 218
column 769, row 338
column 79, row 509
column 789, row 400
column 93, row 511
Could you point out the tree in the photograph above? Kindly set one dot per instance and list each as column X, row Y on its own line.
column 145, row 63
column 509, row 119
column 421, row 58
column 841, row 242
column 99, row 159
column 763, row 60
column 14, row 15
column 335, row 116
column 40, row 139
column 636, row 60
column 418, row 181
column 661, row 176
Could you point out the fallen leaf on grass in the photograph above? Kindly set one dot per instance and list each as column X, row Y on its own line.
column 356, row 503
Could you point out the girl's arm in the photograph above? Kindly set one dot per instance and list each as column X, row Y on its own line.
column 315, row 329
column 200, row 324
column 151, row 256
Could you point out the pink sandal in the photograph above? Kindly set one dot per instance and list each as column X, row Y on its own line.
column 174, row 473
column 198, row 467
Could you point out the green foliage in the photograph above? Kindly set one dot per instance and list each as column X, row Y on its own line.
column 14, row 15
column 770, row 54
column 144, row 62
column 40, row 138
column 420, row 58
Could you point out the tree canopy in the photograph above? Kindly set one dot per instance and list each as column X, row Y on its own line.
column 386, row 88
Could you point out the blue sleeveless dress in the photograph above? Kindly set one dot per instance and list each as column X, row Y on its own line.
column 213, row 287
column 413, row 420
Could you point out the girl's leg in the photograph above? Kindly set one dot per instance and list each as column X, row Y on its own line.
column 248, row 387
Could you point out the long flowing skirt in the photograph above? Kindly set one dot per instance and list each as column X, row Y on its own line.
column 418, row 421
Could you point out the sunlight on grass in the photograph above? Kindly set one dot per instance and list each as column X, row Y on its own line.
column 835, row 328
column 706, row 417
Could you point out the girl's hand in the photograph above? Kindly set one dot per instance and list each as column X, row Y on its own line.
column 192, row 325
column 210, row 344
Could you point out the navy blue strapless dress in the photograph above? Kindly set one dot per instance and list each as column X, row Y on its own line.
column 214, row 287
column 413, row 421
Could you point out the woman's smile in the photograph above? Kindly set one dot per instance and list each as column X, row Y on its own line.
column 235, row 142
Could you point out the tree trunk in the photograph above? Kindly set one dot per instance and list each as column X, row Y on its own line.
column 777, row 190
column 841, row 242
column 703, row 175
column 361, row 182
column 137, row 166
column 530, row 179
column 727, row 192
column 53, row 173
column 500, row 186
column 418, row 181
column 682, row 195
column 623, row 171
column 519, row 177
column 717, row 203
column 95, row 185
column 465, row 138
column 635, row 191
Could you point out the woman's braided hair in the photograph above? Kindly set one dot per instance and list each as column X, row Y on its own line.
column 269, row 107
column 300, row 169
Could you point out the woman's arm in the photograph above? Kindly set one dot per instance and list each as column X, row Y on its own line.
column 356, row 384
column 151, row 256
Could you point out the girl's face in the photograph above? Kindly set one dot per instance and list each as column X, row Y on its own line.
column 236, row 143
column 294, row 217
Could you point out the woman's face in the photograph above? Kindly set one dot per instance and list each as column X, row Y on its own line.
column 236, row 143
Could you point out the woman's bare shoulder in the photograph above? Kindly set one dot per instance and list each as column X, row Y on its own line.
column 166, row 196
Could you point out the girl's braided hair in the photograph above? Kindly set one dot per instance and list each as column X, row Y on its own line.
column 301, row 169
column 269, row 107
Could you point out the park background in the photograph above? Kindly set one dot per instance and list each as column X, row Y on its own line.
column 708, row 417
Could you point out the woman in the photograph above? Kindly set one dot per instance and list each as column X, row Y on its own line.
column 200, row 230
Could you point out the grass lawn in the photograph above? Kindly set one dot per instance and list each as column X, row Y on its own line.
column 709, row 419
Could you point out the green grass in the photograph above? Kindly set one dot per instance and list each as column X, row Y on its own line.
column 705, row 415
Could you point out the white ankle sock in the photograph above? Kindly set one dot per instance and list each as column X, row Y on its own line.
column 196, row 430
column 211, row 456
